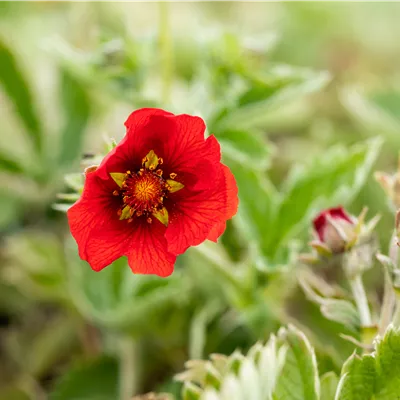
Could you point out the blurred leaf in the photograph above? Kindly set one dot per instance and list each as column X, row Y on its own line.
column 198, row 329
column 10, row 165
column 237, row 376
column 370, row 115
column 35, row 263
column 245, row 147
column 13, row 393
column 333, row 178
column 119, row 299
column 76, row 104
column 258, row 200
column 94, row 380
column 9, row 208
column 329, row 383
column 337, row 310
column 254, row 114
column 15, row 86
column 55, row 340
column 299, row 377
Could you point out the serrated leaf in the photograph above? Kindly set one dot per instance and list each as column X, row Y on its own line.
column 388, row 366
column 299, row 378
column 254, row 114
column 376, row 376
column 17, row 89
column 358, row 379
column 77, row 106
column 245, row 147
column 329, row 383
column 94, row 380
column 337, row 175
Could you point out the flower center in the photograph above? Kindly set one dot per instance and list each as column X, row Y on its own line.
column 143, row 192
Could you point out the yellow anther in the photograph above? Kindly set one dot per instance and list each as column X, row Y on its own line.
column 172, row 175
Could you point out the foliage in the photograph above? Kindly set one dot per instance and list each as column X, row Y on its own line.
column 304, row 114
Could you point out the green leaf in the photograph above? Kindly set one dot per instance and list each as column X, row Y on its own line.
column 54, row 342
column 94, row 380
column 190, row 391
column 255, row 114
column 388, row 366
column 338, row 175
column 10, row 165
column 299, row 377
column 258, row 200
column 17, row 89
column 358, row 379
column 373, row 377
column 245, row 147
column 107, row 298
column 369, row 114
column 329, row 383
column 76, row 103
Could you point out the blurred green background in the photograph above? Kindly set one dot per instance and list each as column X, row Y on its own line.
column 304, row 99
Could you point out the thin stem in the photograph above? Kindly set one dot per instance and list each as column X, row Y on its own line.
column 396, row 317
column 388, row 303
column 360, row 298
column 128, row 376
column 389, row 298
column 166, row 50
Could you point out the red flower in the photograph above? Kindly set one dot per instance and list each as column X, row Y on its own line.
column 161, row 190
column 332, row 228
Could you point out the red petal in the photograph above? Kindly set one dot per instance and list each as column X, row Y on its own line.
column 128, row 154
column 148, row 252
column 320, row 220
column 199, row 215
column 216, row 231
column 232, row 203
column 94, row 224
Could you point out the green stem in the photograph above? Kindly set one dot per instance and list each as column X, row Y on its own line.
column 389, row 298
column 396, row 317
column 360, row 298
column 127, row 373
column 166, row 50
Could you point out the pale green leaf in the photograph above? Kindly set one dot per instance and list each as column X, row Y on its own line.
column 329, row 383
column 388, row 366
column 246, row 147
column 299, row 377
column 357, row 379
column 254, row 114
column 77, row 108
column 17, row 88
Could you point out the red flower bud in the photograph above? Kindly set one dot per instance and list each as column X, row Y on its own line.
column 333, row 227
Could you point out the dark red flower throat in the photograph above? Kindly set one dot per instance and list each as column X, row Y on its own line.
column 143, row 192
